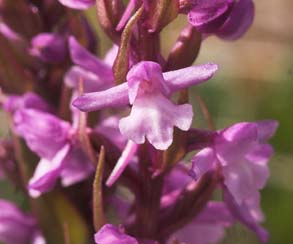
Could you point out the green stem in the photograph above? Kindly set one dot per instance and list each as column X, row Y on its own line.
column 98, row 209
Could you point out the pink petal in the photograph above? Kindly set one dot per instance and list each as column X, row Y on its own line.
column 113, row 97
column 47, row 173
column 126, row 15
column 44, row 133
column 241, row 178
column 153, row 117
column 78, row 4
column 111, row 55
column 186, row 77
column 240, row 132
column 259, row 158
column 208, row 227
column 127, row 154
column 82, row 57
column 145, row 77
column 31, row 100
column 11, row 35
column 16, row 227
column 91, row 82
column 248, row 212
column 49, row 47
column 239, row 21
column 77, row 167
column 260, row 154
column 110, row 234
column 202, row 162
column 208, row 15
column 266, row 129
column 235, row 141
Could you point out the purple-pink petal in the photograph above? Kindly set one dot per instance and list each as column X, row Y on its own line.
column 240, row 179
column 208, row 15
column 145, row 78
column 194, row 75
column 239, row 21
column 266, row 129
column 77, row 166
column 153, row 117
column 82, row 57
column 49, row 47
column 127, row 154
column 202, row 162
column 111, row 55
column 91, row 81
column 113, row 97
column 47, row 172
column 260, row 154
column 11, row 35
column 110, row 234
column 240, row 132
column 13, row 103
column 235, row 141
column 208, row 227
column 15, row 226
column 126, row 15
column 248, row 212
column 44, row 133
column 78, row 4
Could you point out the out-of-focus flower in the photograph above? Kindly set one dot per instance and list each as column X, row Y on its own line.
column 208, row 227
column 228, row 19
column 243, row 153
column 10, row 34
column 96, row 74
column 54, row 141
column 110, row 234
column 49, row 47
column 78, row 4
column 16, row 226
column 153, row 114
column 12, row 103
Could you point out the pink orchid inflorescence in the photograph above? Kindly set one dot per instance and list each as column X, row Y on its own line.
column 100, row 148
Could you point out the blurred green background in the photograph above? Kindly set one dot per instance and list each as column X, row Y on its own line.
column 254, row 82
